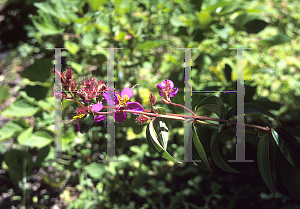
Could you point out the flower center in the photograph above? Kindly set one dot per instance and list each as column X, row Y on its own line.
column 123, row 101
column 77, row 118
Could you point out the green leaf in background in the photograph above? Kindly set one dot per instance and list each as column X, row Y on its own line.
column 20, row 108
column 40, row 70
column 266, row 161
column 216, row 155
column 290, row 153
column 275, row 40
column 24, row 136
column 95, row 4
column 95, row 170
column 213, row 104
column 290, row 177
column 37, row 92
column 204, row 19
column 161, row 128
column 57, row 12
column 15, row 160
column 146, row 45
column 255, row 26
column 227, row 72
column 46, row 26
column 72, row 47
column 250, row 108
column 4, row 95
column 9, row 129
column 154, row 143
column 38, row 139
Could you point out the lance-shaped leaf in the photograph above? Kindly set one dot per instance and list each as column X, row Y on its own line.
column 196, row 155
column 216, row 155
column 154, row 143
column 290, row 153
column 251, row 108
column 266, row 161
column 86, row 122
column 161, row 128
column 200, row 150
column 290, row 177
column 215, row 105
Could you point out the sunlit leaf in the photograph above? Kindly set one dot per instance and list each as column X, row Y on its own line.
column 154, row 143
column 286, row 149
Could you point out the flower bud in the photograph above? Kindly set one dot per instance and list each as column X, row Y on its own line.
column 141, row 120
column 152, row 99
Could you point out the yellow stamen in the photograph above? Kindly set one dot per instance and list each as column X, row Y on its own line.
column 77, row 117
column 123, row 101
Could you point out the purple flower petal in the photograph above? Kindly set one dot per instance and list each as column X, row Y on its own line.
column 166, row 83
column 161, row 93
column 127, row 91
column 174, row 92
column 99, row 118
column 120, row 116
column 161, row 85
column 97, row 107
column 135, row 106
column 78, row 126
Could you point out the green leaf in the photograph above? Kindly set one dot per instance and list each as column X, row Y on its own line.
column 255, row 26
column 9, row 129
column 154, row 143
column 197, row 148
column 290, row 177
column 161, row 128
column 38, row 139
column 275, row 40
column 250, row 108
column 95, row 170
column 146, row 45
column 47, row 27
column 204, row 19
column 39, row 70
column 86, row 122
column 15, row 160
column 195, row 154
column 25, row 135
column 216, row 155
column 4, row 93
column 72, row 47
column 213, row 104
column 20, row 108
column 288, row 138
column 288, row 152
column 95, row 4
column 266, row 161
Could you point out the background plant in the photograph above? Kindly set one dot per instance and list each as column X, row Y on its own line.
column 149, row 33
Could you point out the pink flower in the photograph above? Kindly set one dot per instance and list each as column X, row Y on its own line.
column 122, row 102
column 166, row 89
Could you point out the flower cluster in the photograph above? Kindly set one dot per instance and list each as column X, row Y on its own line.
column 67, row 81
column 89, row 89
column 88, row 113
